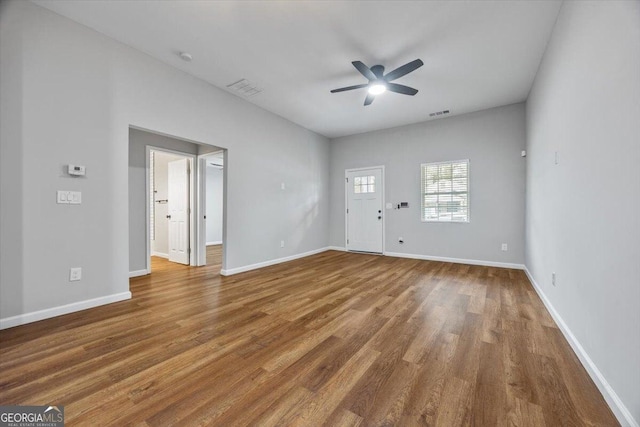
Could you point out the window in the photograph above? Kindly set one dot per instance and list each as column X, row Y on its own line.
column 445, row 191
column 364, row 184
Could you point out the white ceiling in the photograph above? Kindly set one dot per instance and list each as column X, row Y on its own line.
column 477, row 54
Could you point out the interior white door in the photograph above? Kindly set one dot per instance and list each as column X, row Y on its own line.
column 364, row 210
column 178, row 210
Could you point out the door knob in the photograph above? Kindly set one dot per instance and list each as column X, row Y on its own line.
column 379, row 217
column 168, row 216
column 379, row 211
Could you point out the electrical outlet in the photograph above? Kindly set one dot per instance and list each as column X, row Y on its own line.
column 75, row 274
column 553, row 279
column 504, row 247
column 282, row 243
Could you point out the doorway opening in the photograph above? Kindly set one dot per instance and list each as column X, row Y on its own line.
column 364, row 216
column 212, row 186
column 167, row 215
column 171, row 201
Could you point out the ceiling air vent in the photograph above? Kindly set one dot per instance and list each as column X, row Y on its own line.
column 244, row 88
column 439, row 113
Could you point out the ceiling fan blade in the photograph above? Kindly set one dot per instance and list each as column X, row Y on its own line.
column 369, row 99
column 405, row 90
column 364, row 70
column 342, row 89
column 405, row 69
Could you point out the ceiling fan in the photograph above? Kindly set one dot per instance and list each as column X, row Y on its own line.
column 379, row 82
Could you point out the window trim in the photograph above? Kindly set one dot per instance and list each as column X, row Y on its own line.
column 422, row 192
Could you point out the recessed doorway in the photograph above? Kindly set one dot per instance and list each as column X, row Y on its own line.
column 170, row 194
column 213, row 188
column 364, row 199
column 167, row 221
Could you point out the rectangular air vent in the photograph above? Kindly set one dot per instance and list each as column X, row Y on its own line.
column 244, row 88
column 439, row 113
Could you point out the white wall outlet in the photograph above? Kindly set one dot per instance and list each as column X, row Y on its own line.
column 282, row 186
column 504, row 247
column 553, row 279
column 282, row 243
column 75, row 274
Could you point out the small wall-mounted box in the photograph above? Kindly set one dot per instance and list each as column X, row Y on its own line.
column 75, row 170
column 69, row 197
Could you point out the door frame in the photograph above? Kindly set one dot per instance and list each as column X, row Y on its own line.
column 193, row 203
column 346, row 204
column 201, row 258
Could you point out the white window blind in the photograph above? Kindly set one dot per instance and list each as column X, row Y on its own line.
column 445, row 191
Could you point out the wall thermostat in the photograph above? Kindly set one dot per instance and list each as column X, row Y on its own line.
column 76, row 170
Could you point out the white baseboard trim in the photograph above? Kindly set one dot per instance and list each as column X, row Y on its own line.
column 159, row 254
column 456, row 260
column 619, row 409
column 337, row 248
column 232, row 271
column 214, row 243
column 137, row 273
column 22, row 319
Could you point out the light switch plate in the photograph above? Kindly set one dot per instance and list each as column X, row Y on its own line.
column 63, row 196
column 76, row 197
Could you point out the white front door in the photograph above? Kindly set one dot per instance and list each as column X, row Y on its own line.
column 364, row 210
column 178, row 210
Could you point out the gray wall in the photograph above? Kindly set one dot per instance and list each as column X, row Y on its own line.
column 138, row 141
column 492, row 140
column 11, row 152
column 214, row 188
column 69, row 95
column 582, row 214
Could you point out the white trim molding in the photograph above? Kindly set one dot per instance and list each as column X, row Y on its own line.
column 138, row 273
column 456, row 260
column 232, row 271
column 619, row 409
column 34, row 316
column 214, row 243
column 160, row 254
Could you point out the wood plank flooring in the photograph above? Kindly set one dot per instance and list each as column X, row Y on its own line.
column 335, row 339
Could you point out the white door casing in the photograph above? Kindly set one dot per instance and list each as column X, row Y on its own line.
column 364, row 199
column 178, row 210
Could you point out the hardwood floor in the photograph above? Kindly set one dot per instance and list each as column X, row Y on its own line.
column 337, row 339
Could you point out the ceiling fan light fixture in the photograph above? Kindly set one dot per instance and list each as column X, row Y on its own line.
column 377, row 88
